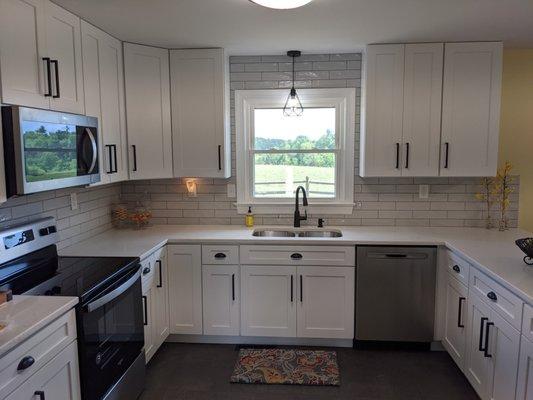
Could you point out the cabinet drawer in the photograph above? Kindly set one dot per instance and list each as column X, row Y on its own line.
column 220, row 254
column 298, row 255
column 42, row 346
column 500, row 299
column 457, row 267
column 527, row 322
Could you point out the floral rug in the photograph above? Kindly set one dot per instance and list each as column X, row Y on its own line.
column 287, row 367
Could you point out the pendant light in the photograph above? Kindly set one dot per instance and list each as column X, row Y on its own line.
column 293, row 105
column 282, row 4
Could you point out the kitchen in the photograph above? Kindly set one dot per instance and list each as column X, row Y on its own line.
column 212, row 195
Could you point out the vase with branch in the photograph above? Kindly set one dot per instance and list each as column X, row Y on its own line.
column 503, row 190
column 487, row 195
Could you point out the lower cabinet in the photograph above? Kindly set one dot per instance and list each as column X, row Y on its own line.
column 221, row 299
column 57, row 380
column 185, row 294
column 525, row 373
column 297, row 301
column 492, row 352
column 148, row 307
column 454, row 338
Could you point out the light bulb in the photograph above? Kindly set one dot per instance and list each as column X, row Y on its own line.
column 282, row 4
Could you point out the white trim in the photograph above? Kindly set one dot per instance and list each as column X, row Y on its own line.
column 343, row 99
column 259, row 340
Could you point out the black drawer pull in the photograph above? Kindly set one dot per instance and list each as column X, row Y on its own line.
column 492, row 296
column 39, row 393
column 160, row 264
column 25, row 363
column 480, row 348
column 145, row 307
column 487, row 331
column 220, row 256
column 460, row 313
column 233, row 287
column 296, row 256
column 146, row 270
column 396, row 255
column 456, row 268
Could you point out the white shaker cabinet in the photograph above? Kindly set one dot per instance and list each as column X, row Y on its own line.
column 160, row 294
column 148, row 299
column 148, row 111
column 455, row 315
column 200, row 113
column 268, row 301
column 325, row 302
column 104, row 99
column 40, row 56
column 525, row 373
column 471, row 108
column 185, row 289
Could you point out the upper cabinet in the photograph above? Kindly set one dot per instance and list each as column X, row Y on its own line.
column 200, row 113
column 471, row 109
column 104, row 98
column 148, row 111
column 40, row 56
column 431, row 110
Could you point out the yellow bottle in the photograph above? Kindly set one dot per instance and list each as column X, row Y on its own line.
column 249, row 219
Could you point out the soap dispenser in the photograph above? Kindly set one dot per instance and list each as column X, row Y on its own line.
column 249, row 219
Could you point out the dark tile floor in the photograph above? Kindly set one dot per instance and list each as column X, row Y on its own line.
column 202, row 372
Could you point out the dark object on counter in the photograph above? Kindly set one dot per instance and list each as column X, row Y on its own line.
column 526, row 245
column 6, row 296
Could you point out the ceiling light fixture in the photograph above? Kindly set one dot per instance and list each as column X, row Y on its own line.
column 293, row 105
column 282, row 4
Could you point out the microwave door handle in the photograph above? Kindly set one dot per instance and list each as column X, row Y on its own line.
column 95, row 151
column 114, row 293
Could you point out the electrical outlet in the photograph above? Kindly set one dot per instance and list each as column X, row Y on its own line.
column 423, row 191
column 73, row 201
column 358, row 204
column 231, row 190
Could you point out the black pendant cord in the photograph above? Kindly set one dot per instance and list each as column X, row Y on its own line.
column 293, row 76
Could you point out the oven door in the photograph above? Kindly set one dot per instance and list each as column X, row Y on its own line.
column 111, row 335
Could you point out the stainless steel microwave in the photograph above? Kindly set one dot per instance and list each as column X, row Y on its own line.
column 46, row 150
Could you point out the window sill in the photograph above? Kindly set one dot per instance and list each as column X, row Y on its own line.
column 288, row 208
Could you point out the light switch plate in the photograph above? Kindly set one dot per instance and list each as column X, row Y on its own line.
column 423, row 191
column 73, row 201
column 231, row 190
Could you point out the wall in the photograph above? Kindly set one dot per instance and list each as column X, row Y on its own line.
column 516, row 142
column 384, row 201
column 91, row 218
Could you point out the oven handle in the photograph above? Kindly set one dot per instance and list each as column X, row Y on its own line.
column 114, row 293
column 95, row 150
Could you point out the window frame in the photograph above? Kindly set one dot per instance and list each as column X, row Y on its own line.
column 343, row 100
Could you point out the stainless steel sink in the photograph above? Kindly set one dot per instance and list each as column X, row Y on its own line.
column 297, row 233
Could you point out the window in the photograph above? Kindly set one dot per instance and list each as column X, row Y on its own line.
column 276, row 154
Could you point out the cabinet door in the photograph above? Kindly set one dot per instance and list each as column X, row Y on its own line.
column 326, row 298
column 454, row 339
column 525, row 373
column 221, row 299
column 63, row 43
column 422, row 109
column 471, row 109
column 504, row 351
column 477, row 365
column 199, row 113
column 268, row 301
column 57, row 380
column 382, row 134
column 22, row 48
column 161, row 325
column 185, row 289
column 149, row 322
column 148, row 111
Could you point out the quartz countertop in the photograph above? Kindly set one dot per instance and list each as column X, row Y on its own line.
column 493, row 252
column 26, row 315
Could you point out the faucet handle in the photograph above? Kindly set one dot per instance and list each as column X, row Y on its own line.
column 320, row 222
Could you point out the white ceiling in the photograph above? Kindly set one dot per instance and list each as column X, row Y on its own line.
column 322, row 26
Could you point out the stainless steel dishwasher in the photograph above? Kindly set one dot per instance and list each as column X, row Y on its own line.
column 395, row 294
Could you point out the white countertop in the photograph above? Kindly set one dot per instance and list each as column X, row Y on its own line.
column 494, row 252
column 25, row 315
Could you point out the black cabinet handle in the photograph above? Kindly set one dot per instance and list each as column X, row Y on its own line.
column 481, row 326
column 39, row 393
column 487, row 331
column 145, row 307
column 160, row 264
column 292, row 288
column 220, row 256
column 396, row 255
column 407, row 155
column 25, row 363
column 446, row 154
column 56, row 67
column 110, row 157
column 397, row 155
column 48, row 93
column 492, row 296
column 456, row 268
column 146, row 270
column 460, row 313
column 296, row 256
column 233, row 287
column 301, row 289
column 219, row 158
column 115, row 170
column 134, row 148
